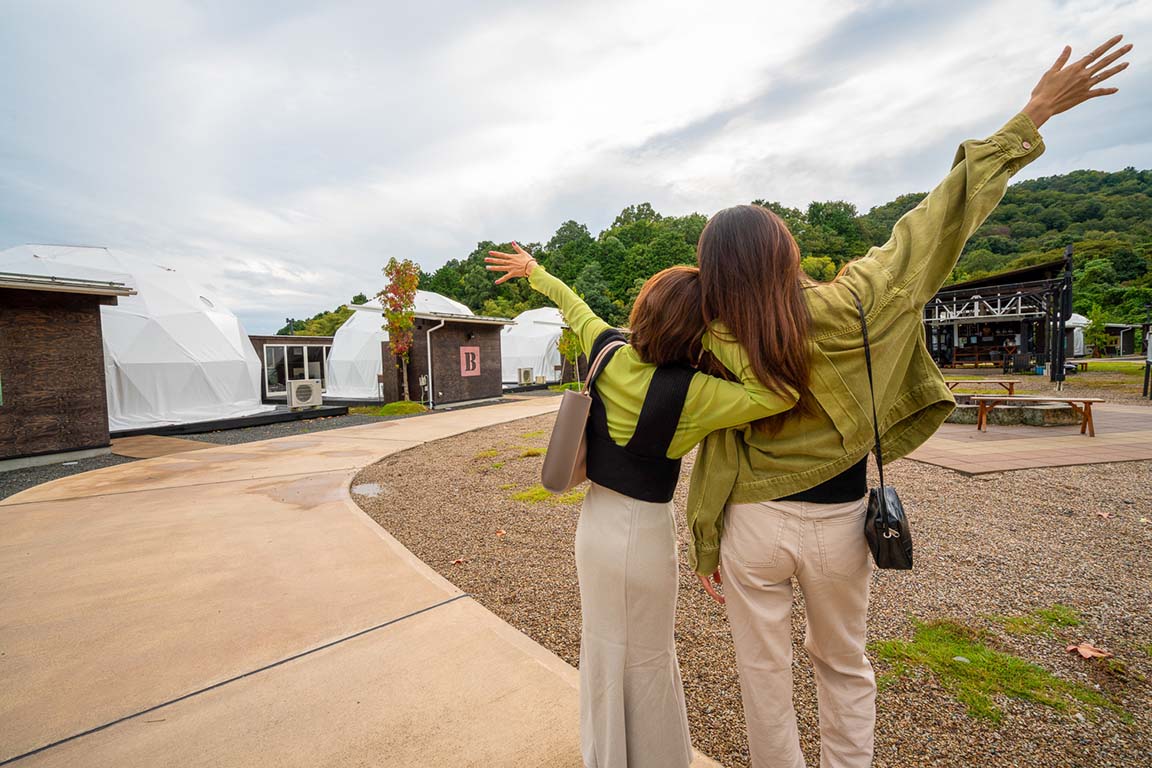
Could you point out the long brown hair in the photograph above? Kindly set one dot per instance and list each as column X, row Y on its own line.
column 751, row 281
column 667, row 322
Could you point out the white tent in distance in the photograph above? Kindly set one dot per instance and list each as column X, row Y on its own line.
column 532, row 343
column 357, row 356
column 172, row 353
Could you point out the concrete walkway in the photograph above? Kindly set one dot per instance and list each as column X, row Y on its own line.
column 233, row 607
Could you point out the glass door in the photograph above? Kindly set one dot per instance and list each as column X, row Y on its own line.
column 274, row 371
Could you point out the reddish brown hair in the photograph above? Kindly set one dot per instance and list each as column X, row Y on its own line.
column 667, row 322
column 751, row 281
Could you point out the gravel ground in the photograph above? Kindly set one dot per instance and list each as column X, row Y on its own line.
column 285, row 428
column 994, row 545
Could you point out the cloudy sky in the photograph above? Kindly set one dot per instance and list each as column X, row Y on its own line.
column 278, row 152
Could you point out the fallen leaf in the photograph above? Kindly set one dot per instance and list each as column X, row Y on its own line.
column 1104, row 515
column 1143, row 519
column 460, row 561
column 500, row 532
column 1088, row 651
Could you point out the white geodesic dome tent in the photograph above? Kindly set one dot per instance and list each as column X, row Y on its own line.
column 356, row 357
column 534, row 342
column 1077, row 323
column 172, row 353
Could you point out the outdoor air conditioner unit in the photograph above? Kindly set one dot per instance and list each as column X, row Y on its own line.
column 525, row 375
column 303, row 393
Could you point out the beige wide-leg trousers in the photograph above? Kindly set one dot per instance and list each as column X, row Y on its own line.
column 631, row 699
column 823, row 547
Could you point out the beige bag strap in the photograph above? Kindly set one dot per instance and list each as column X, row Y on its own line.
column 595, row 367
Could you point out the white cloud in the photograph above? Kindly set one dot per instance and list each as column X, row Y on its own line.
column 281, row 152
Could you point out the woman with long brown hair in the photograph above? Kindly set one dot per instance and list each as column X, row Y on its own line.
column 785, row 499
column 649, row 408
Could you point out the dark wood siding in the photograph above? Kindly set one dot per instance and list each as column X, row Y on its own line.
column 52, row 373
column 451, row 386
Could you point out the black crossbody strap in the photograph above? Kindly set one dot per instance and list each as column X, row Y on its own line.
column 871, row 389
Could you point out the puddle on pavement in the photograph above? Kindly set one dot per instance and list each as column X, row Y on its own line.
column 367, row 489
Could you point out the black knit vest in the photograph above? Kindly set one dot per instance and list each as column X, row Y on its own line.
column 641, row 469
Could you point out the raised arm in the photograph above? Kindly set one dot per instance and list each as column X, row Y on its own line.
column 579, row 316
column 717, row 404
column 926, row 242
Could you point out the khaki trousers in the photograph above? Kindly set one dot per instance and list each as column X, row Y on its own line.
column 823, row 547
column 632, row 709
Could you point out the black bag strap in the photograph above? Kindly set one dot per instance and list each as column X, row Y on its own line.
column 872, row 390
column 660, row 413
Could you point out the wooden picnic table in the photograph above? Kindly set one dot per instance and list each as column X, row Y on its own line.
column 1008, row 384
column 1082, row 406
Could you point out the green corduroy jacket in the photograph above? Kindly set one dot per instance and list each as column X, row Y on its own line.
column 894, row 282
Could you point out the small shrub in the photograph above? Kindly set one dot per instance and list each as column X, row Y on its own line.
column 571, row 386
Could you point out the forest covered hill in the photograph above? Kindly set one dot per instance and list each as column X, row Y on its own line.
column 1106, row 217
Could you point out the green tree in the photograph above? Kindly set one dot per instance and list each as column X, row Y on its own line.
column 1095, row 335
column 399, row 300
column 818, row 267
column 591, row 286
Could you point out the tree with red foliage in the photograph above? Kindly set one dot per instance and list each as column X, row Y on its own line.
column 399, row 300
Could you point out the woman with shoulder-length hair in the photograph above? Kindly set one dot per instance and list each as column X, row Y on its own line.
column 786, row 498
column 649, row 408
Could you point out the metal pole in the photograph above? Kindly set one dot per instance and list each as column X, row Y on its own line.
column 1064, row 311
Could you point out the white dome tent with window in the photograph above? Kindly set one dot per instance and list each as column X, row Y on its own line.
column 532, row 344
column 172, row 353
column 357, row 357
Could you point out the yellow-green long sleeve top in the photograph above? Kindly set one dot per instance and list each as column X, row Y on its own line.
column 711, row 403
column 894, row 281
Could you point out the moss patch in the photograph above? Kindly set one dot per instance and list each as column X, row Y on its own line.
column 987, row 674
column 537, row 433
column 572, row 497
column 533, row 495
column 539, row 493
column 1042, row 621
column 398, row 408
column 491, row 454
column 497, row 465
column 530, row 452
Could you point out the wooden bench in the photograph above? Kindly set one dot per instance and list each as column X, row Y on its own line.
column 1008, row 384
column 1082, row 406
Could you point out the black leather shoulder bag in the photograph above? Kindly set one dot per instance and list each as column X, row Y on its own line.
column 885, row 524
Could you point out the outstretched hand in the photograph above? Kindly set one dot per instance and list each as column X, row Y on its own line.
column 1066, row 85
column 518, row 264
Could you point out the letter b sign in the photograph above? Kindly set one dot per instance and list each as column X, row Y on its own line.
column 469, row 361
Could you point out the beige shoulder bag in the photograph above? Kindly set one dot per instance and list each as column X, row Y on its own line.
column 565, row 464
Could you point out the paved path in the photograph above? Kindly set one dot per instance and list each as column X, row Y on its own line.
column 1123, row 433
column 233, row 607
